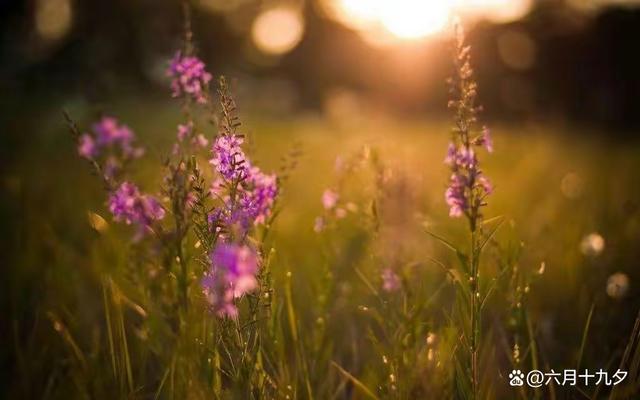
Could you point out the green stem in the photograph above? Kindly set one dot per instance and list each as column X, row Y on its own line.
column 475, row 311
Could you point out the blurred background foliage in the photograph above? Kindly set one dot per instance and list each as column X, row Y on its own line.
column 557, row 59
column 558, row 79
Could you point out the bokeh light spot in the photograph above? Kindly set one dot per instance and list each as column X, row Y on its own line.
column 617, row 285
column 278, row 30
column 53, row 18
column 592, row 244
column 517, row 50
column 572, row 185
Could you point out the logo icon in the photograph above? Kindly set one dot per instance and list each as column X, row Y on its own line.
column 516, row 378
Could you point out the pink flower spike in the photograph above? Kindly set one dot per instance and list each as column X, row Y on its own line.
column 87, row 147
column 486, row 139
column 329, row 199
column 390, row 280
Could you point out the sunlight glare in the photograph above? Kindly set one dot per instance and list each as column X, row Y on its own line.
column 356, row 13
column 499, row 11
column 417, row 19
column 400, row 19
column 413, row 19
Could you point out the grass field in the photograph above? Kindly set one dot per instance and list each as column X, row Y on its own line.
column 333, row 332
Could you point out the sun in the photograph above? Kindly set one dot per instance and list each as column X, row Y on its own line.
column 413, row 19
column 406, row 20
column 401, row 19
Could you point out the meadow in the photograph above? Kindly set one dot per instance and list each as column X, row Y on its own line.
column 83, row 326
column 198, row 248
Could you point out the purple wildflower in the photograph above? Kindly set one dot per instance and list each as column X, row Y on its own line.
column 390, row 280
column 108, row 133
column 255, row 192
column 128, row 205
column 450, row 159
column 241, row 266
column 184, row 131
column 189, row 77
column 218, row 295
column 228, row 158
column 111, row 167
column 229, row 221
column 486, row 140
column 200, row 140
column 232, row 275
column 319, row 225
column 215, row 220
column 260, row 195
column 485, row 184
column 239, row 220
column 87, row 147
column 217, row 188
column 255, row 201
column 468, row 187
column 466, row 158
column 455, row 195
column 329, row 199
column 460, row 157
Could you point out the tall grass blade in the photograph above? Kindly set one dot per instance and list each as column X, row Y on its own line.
column 585, row 334
column 363, row 388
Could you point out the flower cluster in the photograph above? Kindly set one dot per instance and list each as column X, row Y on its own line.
column 390, row 280
column 189, row 77
column 247, row 197
column 330, row 199
column 111, row 140
column 255, row 192
column 130, row 206
column 232, row 275
column 230, row 221
column 187, row 134
column 229, row 159
column 260, row 194
column 330, row 202
column 468, row 187
column 244, row 196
